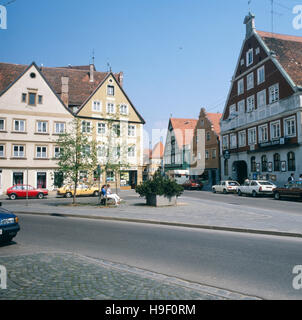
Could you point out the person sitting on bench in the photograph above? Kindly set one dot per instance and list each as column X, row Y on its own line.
column 111, row 195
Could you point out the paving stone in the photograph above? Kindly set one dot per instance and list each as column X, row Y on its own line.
column 53, row 276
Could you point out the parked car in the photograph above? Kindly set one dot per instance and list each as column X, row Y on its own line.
column 82, row 190
column 290, row 190
column 9, row 225
column 192, row 185
column 226, row 187
column 256, row 187
column 22, row 191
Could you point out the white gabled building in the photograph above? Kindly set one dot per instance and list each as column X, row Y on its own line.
column 31, row 118
column 261, row 127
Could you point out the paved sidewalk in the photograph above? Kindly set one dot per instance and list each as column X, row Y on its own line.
column 190, row 212
column 66, row 276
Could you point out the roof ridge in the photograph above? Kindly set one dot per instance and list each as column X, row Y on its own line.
column 282, row 36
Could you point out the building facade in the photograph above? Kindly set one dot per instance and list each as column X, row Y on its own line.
column 261, row 124
column 155, row 159
column 31, row 118
column 114, row 123
column 36, row 105
column 206, row 148
column 178, row 147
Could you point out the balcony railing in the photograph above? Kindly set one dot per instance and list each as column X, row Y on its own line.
column 262, row 113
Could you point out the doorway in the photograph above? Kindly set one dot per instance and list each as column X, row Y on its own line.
column 41, row 180
column 240, row 171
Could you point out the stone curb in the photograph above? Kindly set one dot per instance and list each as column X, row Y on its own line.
column 173, row 224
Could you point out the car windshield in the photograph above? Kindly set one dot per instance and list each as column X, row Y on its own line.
column 265, row 183
column 233, row 184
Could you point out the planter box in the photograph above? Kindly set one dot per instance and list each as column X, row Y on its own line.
column 161, row 201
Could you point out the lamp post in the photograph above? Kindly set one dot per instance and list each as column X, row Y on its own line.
column 27, row 187
column 99, row 176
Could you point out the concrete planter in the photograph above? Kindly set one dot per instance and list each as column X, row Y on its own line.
column 161, row 201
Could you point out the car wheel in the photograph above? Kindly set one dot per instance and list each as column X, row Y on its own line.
column 254, row 194
column 68, row 195
column 239, row 193
column 277, row 196
column 224, row 191
column 13, row 196
column 96, row 194
column 40, row 196
column 214, row 190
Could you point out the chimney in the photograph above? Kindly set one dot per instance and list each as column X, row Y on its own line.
column 91, row 72
column 121, row 78
column 65, row 91
column 249, row 21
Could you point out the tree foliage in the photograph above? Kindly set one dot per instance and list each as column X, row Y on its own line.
column 77, row 153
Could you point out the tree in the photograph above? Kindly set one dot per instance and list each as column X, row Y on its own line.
column 77, row 153
column 114, row 150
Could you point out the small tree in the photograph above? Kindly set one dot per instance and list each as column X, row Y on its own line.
column 159, row 186
column 77, row 153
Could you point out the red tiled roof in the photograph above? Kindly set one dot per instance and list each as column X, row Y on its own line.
column 215, row 120
column 80, row 87
column 184, row 130
column 288, row 50
column 158, row 151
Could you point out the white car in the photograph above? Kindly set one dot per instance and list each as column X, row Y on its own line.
column 226, row 187
column 256, row 187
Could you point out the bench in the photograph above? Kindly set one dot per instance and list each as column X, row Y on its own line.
column 109, row 200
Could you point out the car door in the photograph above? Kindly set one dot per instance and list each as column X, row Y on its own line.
column 254, row 187
column 295, row 191
column 245, row 187
column 21, row 191
column 85, row 190
column 32, row 193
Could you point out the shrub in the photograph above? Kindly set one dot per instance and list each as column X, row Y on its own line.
column 160, row 186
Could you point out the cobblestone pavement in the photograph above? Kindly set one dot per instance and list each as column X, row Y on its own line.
column 67, row 276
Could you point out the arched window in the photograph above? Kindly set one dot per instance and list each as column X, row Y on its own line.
column 291, row 161
column 277, row 162
column 226, row 167
column 253, row 164
column 264, row 163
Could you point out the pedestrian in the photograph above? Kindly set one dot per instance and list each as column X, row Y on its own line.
column 300, row 178
column 113, row 196
column 104, row 191
column 291, row 179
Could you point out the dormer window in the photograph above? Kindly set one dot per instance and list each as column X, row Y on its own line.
column 249, row 58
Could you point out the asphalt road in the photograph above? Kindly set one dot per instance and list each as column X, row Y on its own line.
column 250, row 264
column 261, row 202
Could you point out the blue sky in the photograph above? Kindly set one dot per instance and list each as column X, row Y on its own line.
column 177, row 55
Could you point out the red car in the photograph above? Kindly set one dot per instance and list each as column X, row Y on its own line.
column 192, row 185
column 22, row 191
